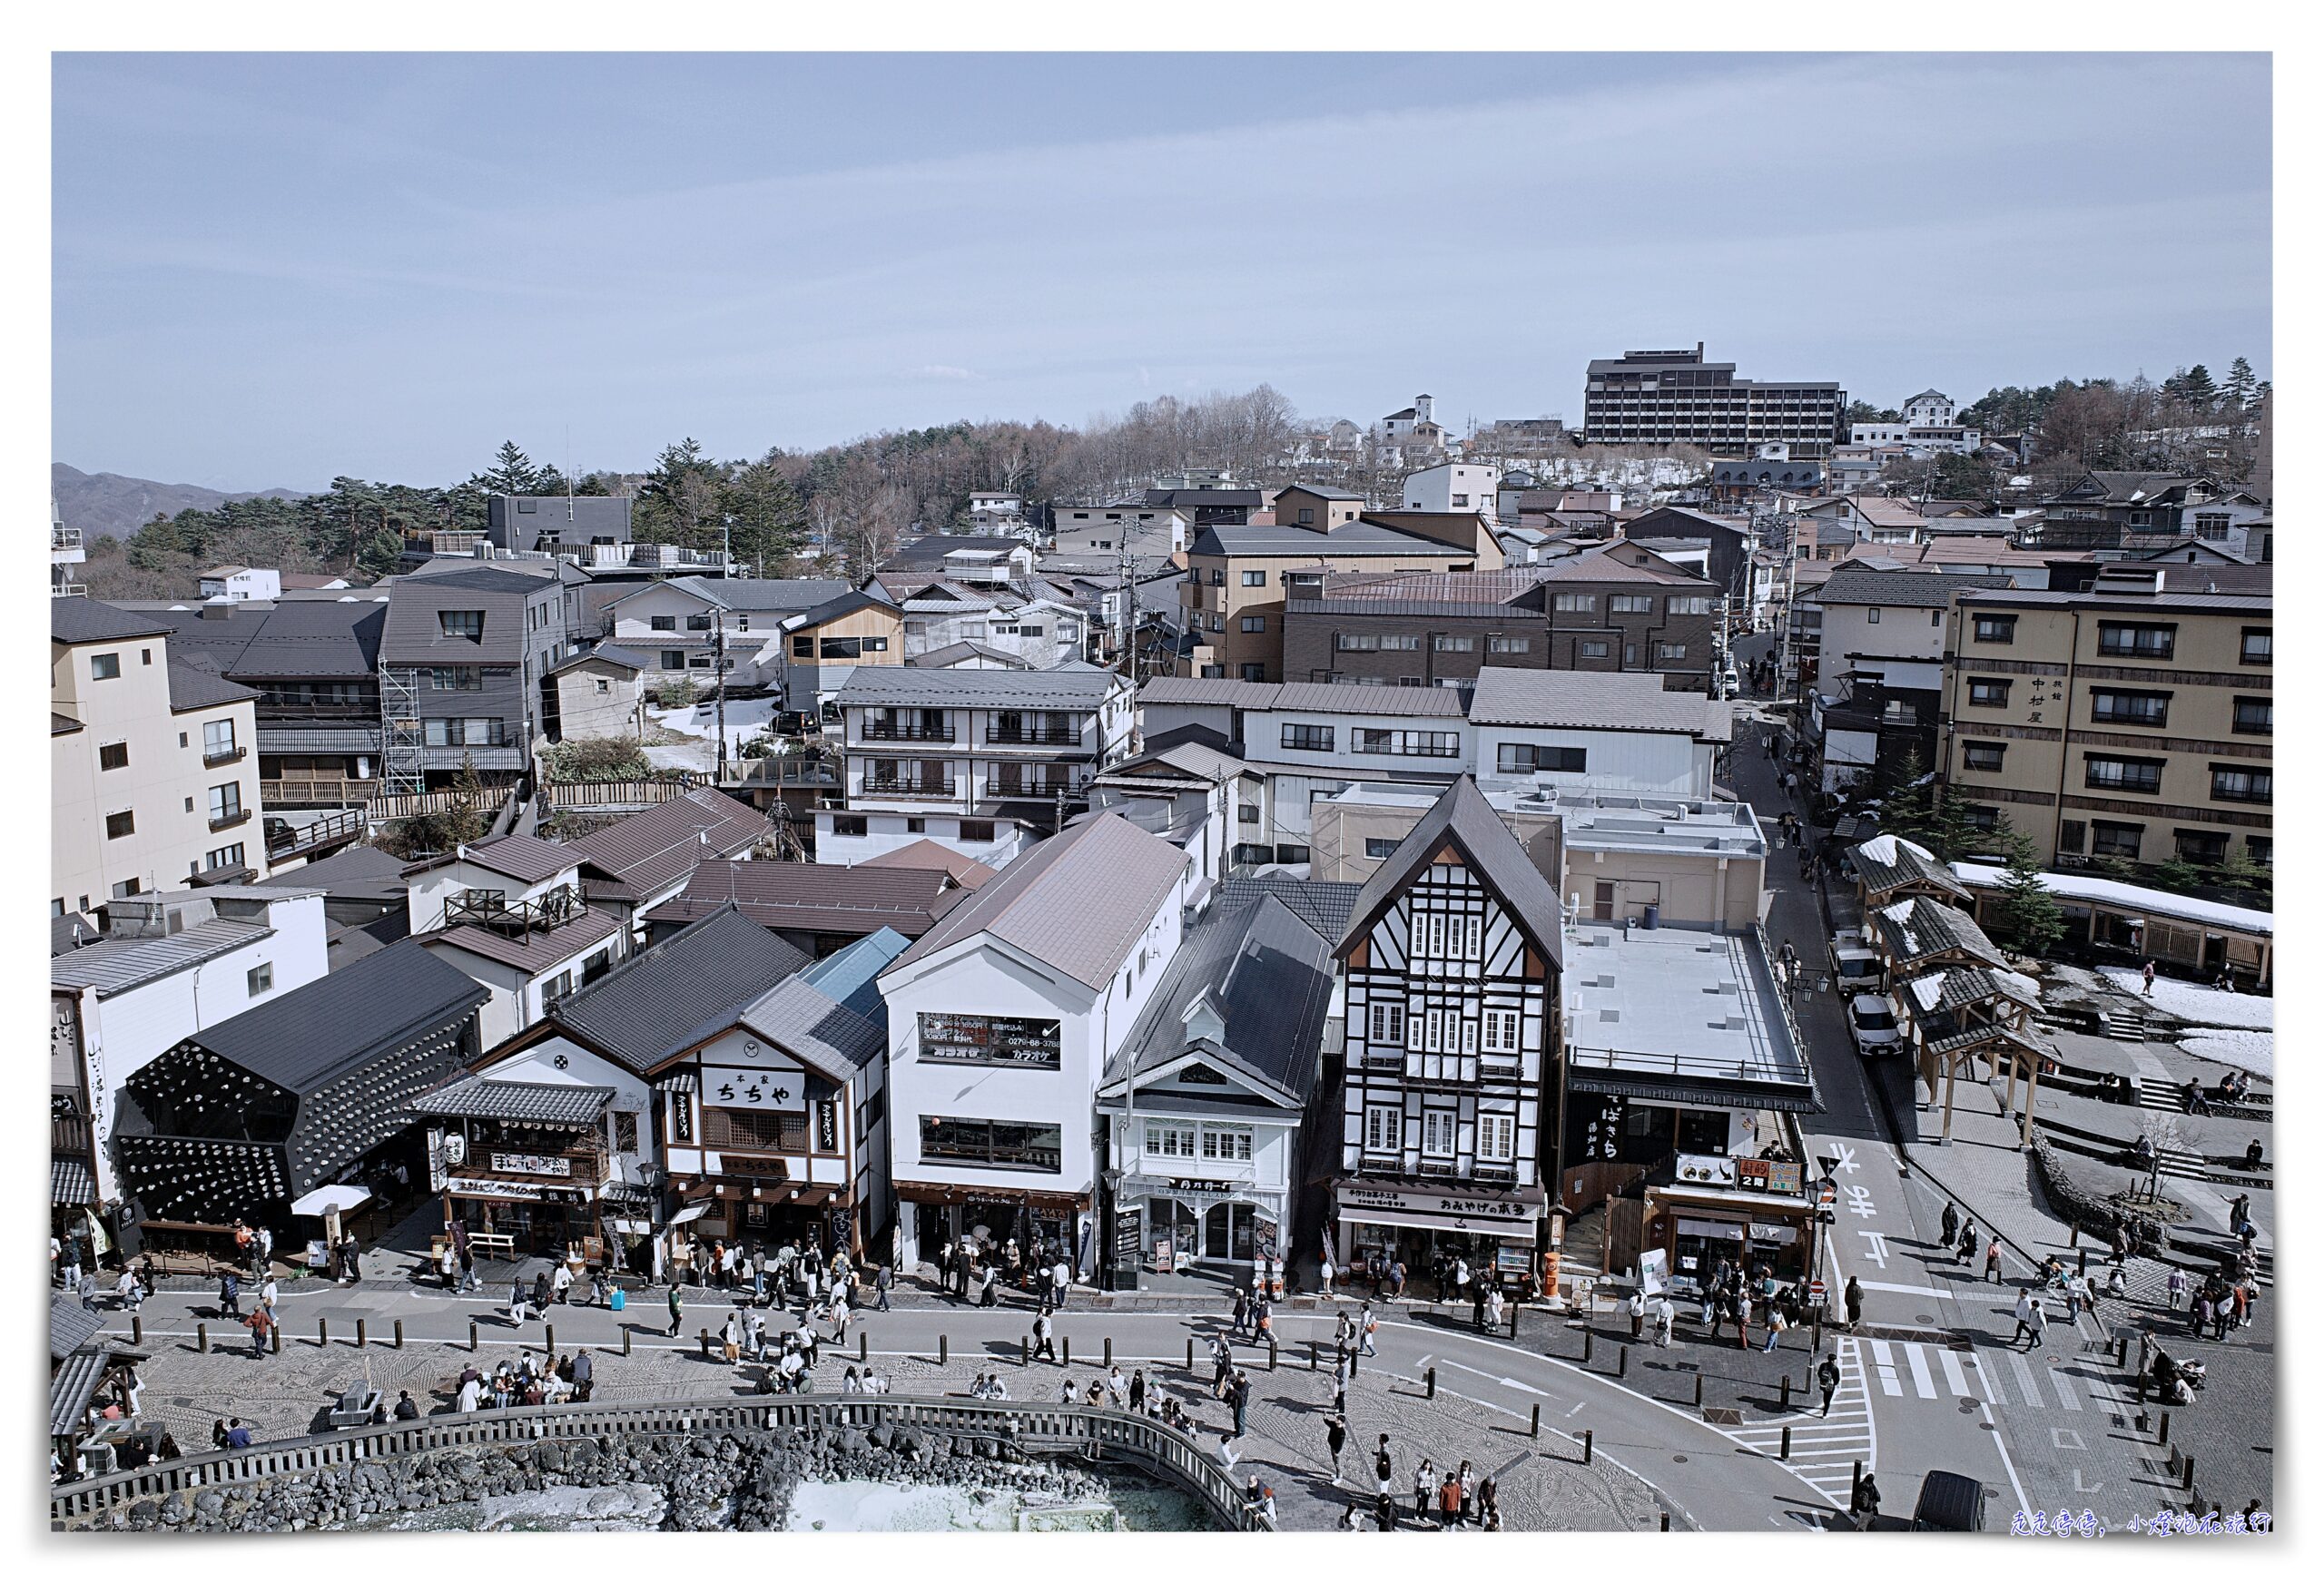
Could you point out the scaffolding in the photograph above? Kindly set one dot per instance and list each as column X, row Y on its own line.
column 401, row 769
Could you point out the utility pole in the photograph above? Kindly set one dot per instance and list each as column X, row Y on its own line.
column 718, row 671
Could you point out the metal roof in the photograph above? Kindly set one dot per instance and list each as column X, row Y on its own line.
column 533, row 950
column 1914, row 590
column 193, row 686
column 494, row 1099
column 924, row 853
column 851, row 975
column 1309, row 697
column 1594, row 701
column 1462, row 816
column 62, row 724
column 370, row 1008
column 811, row 1025
column 1267, row 974
column 357, row 870
column 526, row 858
column 1322, row 905
column 652, row 1003
column 645, row 851
column 1073, row 687
column 79, row 620
column 1350, row 538
column 824, row 897
column 109, row 965
column 611, row 654
column 1079, row 901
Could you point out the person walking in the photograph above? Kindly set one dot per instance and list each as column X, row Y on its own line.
column 1339, row 1382
column 1061, row 1280
column 1827, row 1381
column 1384, row 1469
column 2146, row 977
column 2025, row 1315
column 516, row 1303
column 269, row 1295
column 1367, row 1328
column 2038, row 1323
column 1665, row 1317
column 448, row 1262
column 469, row 1280
column 229, row 1294
column 1853, row 1298
column 1949, row 1228
column 1324, row 1273
column 1968, row 1241
column 1043, row 1345
column 881, row 1283
column 261, row 1322
column 677, row 1306
column 1241, row 1397
column 1993, row 1261
column 560, row 1281
column 1335, row 1438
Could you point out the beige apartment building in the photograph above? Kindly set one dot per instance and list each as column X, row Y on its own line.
column 153, row 780
column 2131, row 721
column 1238, row 575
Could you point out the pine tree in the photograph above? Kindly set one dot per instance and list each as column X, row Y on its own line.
column 512, row 473
column 1908, row 799
column 2241, row 387
column 679, row 496
column 2025, row 916
column 768, row 522
column 2198, row 390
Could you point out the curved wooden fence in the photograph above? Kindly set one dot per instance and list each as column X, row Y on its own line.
column 1035, row 1429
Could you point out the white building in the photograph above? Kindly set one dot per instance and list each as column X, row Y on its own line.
column 1003, row 1019
column 1925, row 428
column 1132, row 526
column 1455, row 487
column 236, row 583
column 66, row 552
column 677, row 623
column 168, row 965
column 508, row 912
column 1888, row 628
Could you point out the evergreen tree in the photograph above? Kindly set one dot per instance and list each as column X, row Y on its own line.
column 1906, row 798
column 512, row 473
column 2025, row 916
column 678, row 501
column 2241, row 387
column 2241, row 873
column 2197, row 389
column 768, row 523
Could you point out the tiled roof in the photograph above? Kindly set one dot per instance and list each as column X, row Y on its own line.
column 1079, row 901
column 924, row 853
column 1311, row 697
column 534, row 951
column 1918, row 928
column 645, row 851
column 1594, row 701
column 1918, row 590
column 195, row 687
column 79, row 620
column 824, row 897
column 651, row 1005
column 1066, row 687
column 809, row 1023
column 1322, row 905
column 491, row 1098
column 1269, row 976
column 1888, row 862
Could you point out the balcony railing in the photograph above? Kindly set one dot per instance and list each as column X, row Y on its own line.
column 347, row 825
column 490, row 909
column 882, row 731
column 233, row 755
column 64, row 538
column 908, row 788
column 1010, row 786
column 228, row 821
column 68, row 1135
column 1043, row 736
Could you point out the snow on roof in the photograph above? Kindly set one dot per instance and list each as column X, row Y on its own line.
column 1926, row 991
column 1901, row 915
column 2115, row 893
column 1882, row 849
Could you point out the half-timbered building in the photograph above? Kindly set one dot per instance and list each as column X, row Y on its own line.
column 1451, row 958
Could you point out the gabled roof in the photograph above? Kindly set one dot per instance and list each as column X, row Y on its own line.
column 1079, row 901
column 802, row 1019
column 824, row 897
column 302, row 1039
column 1918, row 928
column 655, row 1003
column 80, row 619
column 1888, row 862
column 1595, row 701
column 196, row 686
column 1322, row 905
column 1462, row 817
column 645, row 851
column 356, row 871
column 956, row 654
column 526, row 858
column 604, row 652
column 846, row 604
column 502, row 1099
column 924, row 853
column 1065, row 687
column 110, row 964
column 1268, row 975
column 1911, row 589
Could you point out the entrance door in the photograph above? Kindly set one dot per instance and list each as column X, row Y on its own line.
column 1601, row 906
column 1227, row 1233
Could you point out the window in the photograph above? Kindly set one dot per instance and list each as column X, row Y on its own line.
column 1510, row 645
column 850, row 824
column 1306, row 515
column 2255, row 716
column 466, row 623
column 480, row 732
column 1311, row 738
column 2108, row 707
column 1447, row 644
column 1246, row 813
column 1983, row 756
column 217, row 739
column 2109, row 839
column 1531, row 758
column 603, row 686
column 840, row 648
column 222, row 858
column 2258, row 646
column 661, row 623
column 673, row 659
column 1016, row 1145
column 697, row 623
column 1664, row 651
column 2201, row 846
column 225, row 803
column 1383, row 1130
column 976, row 829
column 1386, row 1026
column 112, row 756
column 1574, row 602
column 2262, row 848
column 626, row 1132
column 1686, row 605
column 261, row 979
column 1252, row 671
column 2072, row 833
column 2111, row 774
column 456, row 679
column 103, row 667
column 1995, row 629
column 1988, row 692
column 1354, row 642
column 1630, row 605
column 1225, row 1142
column 1254, row 579
column 1403, row 643
column 1439, row 1132
column 1255, row 624
column 2236, row 783
column 990, row 1041
column 1594, row 648
column 802, row 648
column 1217, row 576
column 1872, row 615
column 2137, row 640
column 1501, row 1032
column 1497, row 1138
column 1175, row 1141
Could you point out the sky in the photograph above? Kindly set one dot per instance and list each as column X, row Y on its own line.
column 271, row 270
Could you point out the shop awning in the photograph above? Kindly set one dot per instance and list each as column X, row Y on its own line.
column 1407, row 1220
column 69, row 1183
column 1725, row 1230
column 489, row 1099
column 334, row 1200
column 691, row 1212
column 631, row 1227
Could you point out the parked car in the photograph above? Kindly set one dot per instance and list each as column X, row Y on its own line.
column 1950, row 1504
column 1874, row 1025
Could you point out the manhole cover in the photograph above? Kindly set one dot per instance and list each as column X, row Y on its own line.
column 1969, row 1404
column 1924, row 1319
column 1678, row 1458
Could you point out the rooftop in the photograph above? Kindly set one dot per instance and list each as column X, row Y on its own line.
column 1309, row 697
column 1350, row 538
column 109, row 965
column 924, row 853
column 1462, row 816
column 1914, row 589
column 655, row 1003
column 643, row 852
column 79, row 620
column 1595, row 701
column 881, row 686
column 381, row 1003
column 1681, row 1013
column 1266, row 974
column 821, row 897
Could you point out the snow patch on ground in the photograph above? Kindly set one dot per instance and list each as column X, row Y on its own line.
column 745, row 718
column 2196, row 1003
column 2250, row 1049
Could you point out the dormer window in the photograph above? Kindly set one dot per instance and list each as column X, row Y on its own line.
column 466, row 623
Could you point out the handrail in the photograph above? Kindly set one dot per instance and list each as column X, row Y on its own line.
column 1042, row 1428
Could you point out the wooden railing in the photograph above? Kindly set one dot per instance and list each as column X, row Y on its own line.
column 580, row 795
column 1034, row 1429
column 345, row 825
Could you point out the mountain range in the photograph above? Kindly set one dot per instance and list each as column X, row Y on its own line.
column 111, row 506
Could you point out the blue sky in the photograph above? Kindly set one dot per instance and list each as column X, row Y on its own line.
column 272, row 268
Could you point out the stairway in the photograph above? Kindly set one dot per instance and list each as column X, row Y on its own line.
column 2125, row 1022
column 1583, row 1252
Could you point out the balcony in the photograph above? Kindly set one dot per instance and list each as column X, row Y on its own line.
column 331, row 829
column 490, row 909
column 234, row 755
column 228, row 821
column 64, row 538
column 929, row 788
column 1036, row 737
column 882, row 731
column 1019, row 786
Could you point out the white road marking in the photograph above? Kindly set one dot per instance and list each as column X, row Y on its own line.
column 1875, row 1247
column 1885, row 1361
column 1955, row 1380
column 1907, row 1291
column 1922, row 1382
column 2067, row 1396
column 2026, row 1380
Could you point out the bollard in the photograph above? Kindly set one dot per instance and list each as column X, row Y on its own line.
column 1818, row 1344
column 1699, row 1390
column 548, row 1339
column 1666, row 1522
column 1273, row 1353
column 1786, row 1391
column 2081, row 1262
column 705, row 1345
column 1785, row 1455
column 625, row 1341
column 1535, row 1434
column 1431, row 1381
column 2074, row 1235
column 1190, row 1354
column 1856, row 1485
column 1025, row 1351
column 1314, row 1354
column 1109, row 1351
column 1622, row 1365
column 322, row 1332
column 472, row 1335
column 863, row 1346
column 1587, row 1338
column 274, row 1340
column 2163, row 1435
column 2122, row 1351
column 399, row 1335
column 136, row 1331
column 1066, row 1354
column 2188, row 1482
column 1512, row 1322
column 362, row 1331
column 943, row 1351
column 1588, row 1445
column 201, row 1338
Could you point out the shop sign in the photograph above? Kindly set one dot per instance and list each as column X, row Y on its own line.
column 484, row 1187
column 533, row 1165
column 1191, row 1184
column 1353, row 1196
column 437, row 1171
column 1707, row 1170
column 1129, row 1230
column 1653, row 1270
column 1782, row 1176
column 753, row 1089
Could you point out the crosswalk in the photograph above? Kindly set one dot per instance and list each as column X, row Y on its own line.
column 1825, row 1448
column 1992, row 1376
